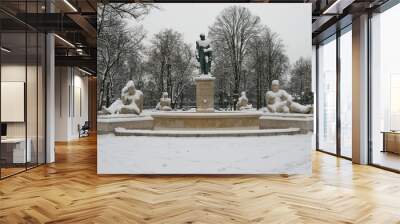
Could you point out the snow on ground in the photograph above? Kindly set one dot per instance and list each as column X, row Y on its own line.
column 204, row 155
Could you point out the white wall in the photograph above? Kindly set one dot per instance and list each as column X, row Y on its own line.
column 17, row 73
column 14, row 72
column 34, row 125
column 80, row 112
column 70, row 83
column 61, row 103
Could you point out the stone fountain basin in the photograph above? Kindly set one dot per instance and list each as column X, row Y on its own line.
column 197, row 120
column 206, row 132
column 197, row 124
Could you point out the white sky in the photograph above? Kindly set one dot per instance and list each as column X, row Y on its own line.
column 291, row 21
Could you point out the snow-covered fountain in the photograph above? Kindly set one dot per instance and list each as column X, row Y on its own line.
column 125, row 116
column 276, row 139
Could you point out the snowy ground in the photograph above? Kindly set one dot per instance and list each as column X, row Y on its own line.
column 205, row 155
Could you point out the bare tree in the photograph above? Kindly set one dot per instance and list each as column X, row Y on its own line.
column 257, row 59
column 233, row 30
column 108, row 12
column 300, row 80
column 267, row 61
column 183, row 67
column 223, row 71
column 170, row 61
column 114, row 46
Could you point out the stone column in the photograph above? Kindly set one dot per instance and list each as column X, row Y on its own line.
column 50, row 92
column 360, row 90
column 204, row 93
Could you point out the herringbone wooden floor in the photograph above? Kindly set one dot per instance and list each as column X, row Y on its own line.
column 70, row 191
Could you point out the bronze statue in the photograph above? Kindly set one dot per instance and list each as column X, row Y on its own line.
column 204, row 54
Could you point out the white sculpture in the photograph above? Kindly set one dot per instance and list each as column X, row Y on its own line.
column 243, row 102
column 165, row 103
column 279, row 101
column 131, row 101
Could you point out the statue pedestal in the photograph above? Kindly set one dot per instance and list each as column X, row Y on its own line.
column 204, row 93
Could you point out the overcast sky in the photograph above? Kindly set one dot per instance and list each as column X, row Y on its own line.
column 291, row 21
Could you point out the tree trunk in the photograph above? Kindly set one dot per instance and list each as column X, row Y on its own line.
column 108, row 95
column 169, row 83
column 258, row 90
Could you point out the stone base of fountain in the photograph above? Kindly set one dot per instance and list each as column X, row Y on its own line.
column 206, row 133
column 219, row 122
column 305, row 122
column 197, row 120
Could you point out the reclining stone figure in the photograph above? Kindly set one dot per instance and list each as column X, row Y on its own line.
column 279, row 101
column 131, row 101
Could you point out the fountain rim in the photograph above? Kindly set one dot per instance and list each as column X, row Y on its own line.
column 216, row 114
